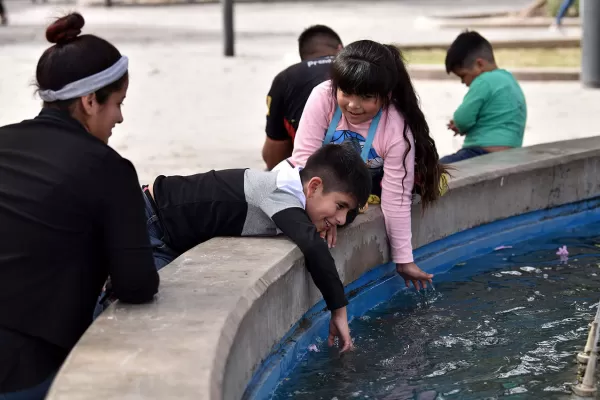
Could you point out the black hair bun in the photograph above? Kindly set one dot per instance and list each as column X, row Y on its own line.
column 65, row 29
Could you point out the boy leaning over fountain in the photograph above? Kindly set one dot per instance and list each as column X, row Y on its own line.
column 301, row 203
column 493, row 112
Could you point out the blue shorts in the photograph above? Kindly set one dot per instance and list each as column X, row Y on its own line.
column 463, row 154
column 163, row 255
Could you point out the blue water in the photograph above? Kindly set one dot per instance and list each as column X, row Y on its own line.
column 504, row 324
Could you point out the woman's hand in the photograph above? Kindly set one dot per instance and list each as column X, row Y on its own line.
column 338, row 327
column 410, row 272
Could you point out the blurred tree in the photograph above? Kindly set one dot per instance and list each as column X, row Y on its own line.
column 534, row 9
column 548, row 8
column 552, row 7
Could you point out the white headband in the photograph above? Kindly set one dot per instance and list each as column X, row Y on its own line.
column 88, row 85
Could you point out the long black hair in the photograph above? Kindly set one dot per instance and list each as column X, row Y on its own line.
column 368, row 68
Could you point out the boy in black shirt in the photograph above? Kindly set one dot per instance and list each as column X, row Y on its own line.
column 184, row 211
column 318, row 46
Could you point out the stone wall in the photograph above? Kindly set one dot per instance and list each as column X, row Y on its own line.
column 224, row 304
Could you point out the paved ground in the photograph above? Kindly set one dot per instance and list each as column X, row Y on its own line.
column 189, row 109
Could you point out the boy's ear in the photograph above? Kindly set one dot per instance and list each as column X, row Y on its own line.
column 313, row 186
column 480, row 63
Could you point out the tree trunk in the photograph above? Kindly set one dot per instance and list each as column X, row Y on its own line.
column 532, row 9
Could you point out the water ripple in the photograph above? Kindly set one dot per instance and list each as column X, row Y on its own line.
column 512, row 329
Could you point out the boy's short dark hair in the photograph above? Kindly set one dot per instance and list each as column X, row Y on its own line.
column 342, row 169
column 466, row 48
column 316, row 36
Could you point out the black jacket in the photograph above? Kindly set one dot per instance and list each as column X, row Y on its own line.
column 71, row 214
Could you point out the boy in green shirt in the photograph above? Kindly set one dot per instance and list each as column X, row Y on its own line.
column 493, row 112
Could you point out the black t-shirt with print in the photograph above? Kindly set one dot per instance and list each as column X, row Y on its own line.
column 288, row 95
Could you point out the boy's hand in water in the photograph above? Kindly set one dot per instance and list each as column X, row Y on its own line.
column 338, row 327
column 410, row 272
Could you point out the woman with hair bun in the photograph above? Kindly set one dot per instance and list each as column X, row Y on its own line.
column 71, row 211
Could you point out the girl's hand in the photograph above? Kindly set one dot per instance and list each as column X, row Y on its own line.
column 330, row 236
column 410, row 272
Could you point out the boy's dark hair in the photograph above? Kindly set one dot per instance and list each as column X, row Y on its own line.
column 367, row 68
column 341, row 169
column 315, row 38
column 466, row 48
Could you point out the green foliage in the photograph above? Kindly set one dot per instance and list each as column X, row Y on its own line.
column 552, row 7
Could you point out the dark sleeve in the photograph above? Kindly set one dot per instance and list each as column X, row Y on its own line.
column 128, row 253
column 276, row 110
column 295, row 224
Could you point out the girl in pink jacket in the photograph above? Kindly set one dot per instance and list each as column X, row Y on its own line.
column 371, row 102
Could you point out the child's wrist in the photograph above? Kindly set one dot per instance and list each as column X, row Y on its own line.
column 339, row 311
column 400, row 266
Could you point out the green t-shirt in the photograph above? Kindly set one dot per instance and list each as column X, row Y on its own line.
column 493, row 112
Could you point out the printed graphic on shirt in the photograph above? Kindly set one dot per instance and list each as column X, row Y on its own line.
column 269, row 100
column 374, row 161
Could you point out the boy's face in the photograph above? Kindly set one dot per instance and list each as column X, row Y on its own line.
column 467, row 75
column 358, row 109
column 326, row 209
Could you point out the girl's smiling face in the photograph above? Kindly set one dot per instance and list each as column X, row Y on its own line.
column 358, row 109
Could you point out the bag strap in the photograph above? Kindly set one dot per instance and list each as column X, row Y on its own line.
column 370, row 136
column 337, row 116
column 335, row 120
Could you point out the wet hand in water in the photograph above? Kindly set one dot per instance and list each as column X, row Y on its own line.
column 338, row 327
column 410, row 272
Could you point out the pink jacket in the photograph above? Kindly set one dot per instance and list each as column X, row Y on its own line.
column 389, row 143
